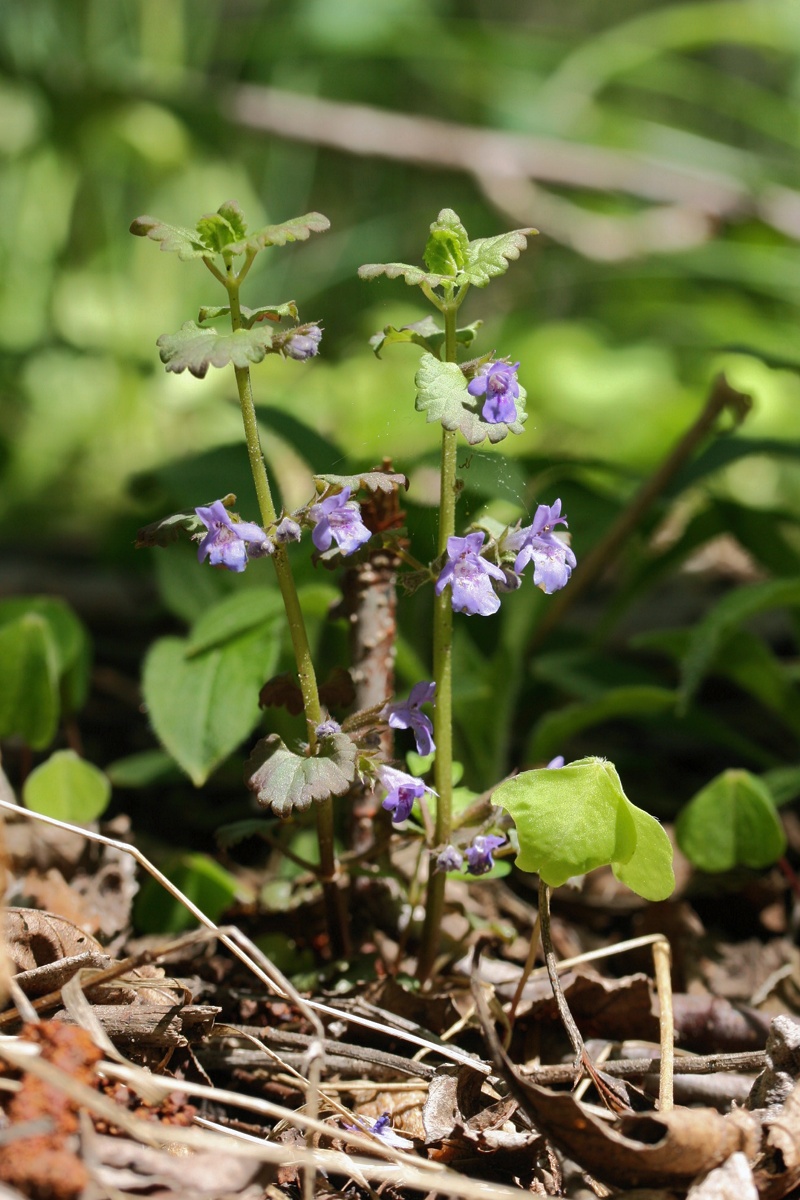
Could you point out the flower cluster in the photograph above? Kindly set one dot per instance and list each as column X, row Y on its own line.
column 304, row 344
column 338, row 519
column 230, row 543
column 552, row 559
column 478, row 855
column 406, row 714
column 401, row 792
column 497, row 381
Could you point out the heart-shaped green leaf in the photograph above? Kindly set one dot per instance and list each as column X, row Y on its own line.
column 68, row 788
column 283, row 780
column 195, row 350
column 731, row 822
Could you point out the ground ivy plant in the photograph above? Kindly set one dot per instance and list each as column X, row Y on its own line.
column 568, row 818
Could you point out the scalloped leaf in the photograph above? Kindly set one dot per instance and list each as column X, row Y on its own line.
column 195, row 350
column 284, row 781
column 425, row 333
column 447, row 247
column 414, row 276
column 217, row 230
column 488, row 257
column 731, row 822
column 297, row 229
column 442, row 395
column 174, row 238
column 370, row 481
column 573, row 819
column 267, row 312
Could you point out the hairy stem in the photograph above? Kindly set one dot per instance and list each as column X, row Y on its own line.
column 328, row 867
column 443, row 675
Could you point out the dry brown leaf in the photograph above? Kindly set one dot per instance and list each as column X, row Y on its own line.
column 35, row 938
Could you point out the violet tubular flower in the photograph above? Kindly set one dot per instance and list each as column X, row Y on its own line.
column 556, row 763
column 552, row 559
column 304, row 345
column 498, row 382
column 230, row 543
column 470, row 577
column 287, row 530
column 338, row 519
column 449, row 859
column 479, row 854
column 406, row 714
column 401, row 792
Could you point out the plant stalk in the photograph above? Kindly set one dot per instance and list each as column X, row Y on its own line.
column 443, row 676
column 328, row 867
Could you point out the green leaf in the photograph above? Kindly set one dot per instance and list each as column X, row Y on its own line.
column 238, row 614
column 195, row 349
column 143, row 769
column 569, row 820
column 648, row 872
column 737, row 606
column 488, row 257
column 29, row 693
column 638, row 701
column 370, row 481
column 267, row 312
column 201, row 879
column 446, row 250
column 442, row 395
column 783, row 784
column 731, row 822
column 425, row 333
column 297, row 229
column 70, row 641
column 68, row 788
column 284, row 781
column 184, row 242
column 217, row 230
column 168, row 530
column 203, row 707
column 413, row 276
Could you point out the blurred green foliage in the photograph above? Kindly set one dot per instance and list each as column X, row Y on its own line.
column 655, row 146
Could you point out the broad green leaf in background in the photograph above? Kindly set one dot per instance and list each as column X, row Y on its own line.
column 68, row 788
column 202, row 706
column 195, row 350
column 201, row 879
column 731, row 822
column 69, row 640
column 443, row 396
column 29, row 699
column 637, row 702
column 238, row 614
column 283, row 780
column 573, row 819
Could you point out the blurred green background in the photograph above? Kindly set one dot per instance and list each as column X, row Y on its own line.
column 654, row 145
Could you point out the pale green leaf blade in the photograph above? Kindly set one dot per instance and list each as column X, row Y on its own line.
column 569, row 820
column 29, row 693
column 67, row 788
column 648, row 872
column 297, row 229
column 284, row 781
column 443, row 396
column 488, row 257
column 425, row 333
column 236, row 615
column 731, row 822
column 173, row 238
column 265, row 312
column 447, row 246
column 370, row 481
column 195, row 350
column 414, row 276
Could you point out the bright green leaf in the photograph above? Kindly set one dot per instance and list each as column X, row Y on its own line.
column 236, row 615
column 184, row 242
column 442, row 395
column 195, row 350
column 425, row 333
column 648, row 872
column 68, row 788
column 283, row 780
column 731, row 822
column 488, row 257
column 202, row 707
column 446, row 250
column 412, row 275
column 569, row 821
column 29, row 693
column 143, row 769
column 297, row 229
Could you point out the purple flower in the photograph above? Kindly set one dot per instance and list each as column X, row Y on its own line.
column 382, row 1127
column 469, row 576
column 287, row 530
column 450, row 859
column 405, row 714
column 229, row 543
column 479, row 854
column 556, row 763
column 401, row 792
column 328, row 728
column 304, row 344
column 338, row 519
column 552, row 559
column 498, row 382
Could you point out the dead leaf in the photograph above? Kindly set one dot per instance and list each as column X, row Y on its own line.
column 35, row 938
column 732, row 1181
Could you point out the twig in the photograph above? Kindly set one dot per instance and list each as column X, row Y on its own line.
column 666, row 1022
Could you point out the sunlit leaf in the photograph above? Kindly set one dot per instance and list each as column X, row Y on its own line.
column 68, row 788
column 184, row 242
column 370, row 481
column 217, row 230
column 488, row 257
column 266, row 312
column 298, row 229
column 283, row 780
column 412, row 275
column 442, row 395
column 29, row 694
column 195, row 350
column 648, row 871
column 731, row 822
column 425, row 333
column 447, row 246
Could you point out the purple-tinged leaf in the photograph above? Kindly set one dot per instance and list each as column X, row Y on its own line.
column 284, row 781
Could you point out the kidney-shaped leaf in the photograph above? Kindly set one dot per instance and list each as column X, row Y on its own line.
column 283, row 780
column 195, row 350
column 648, row 871
column 731, row 822
column 68, row 788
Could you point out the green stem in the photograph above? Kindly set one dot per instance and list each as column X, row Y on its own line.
column 443, row 675
column 328, row 866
